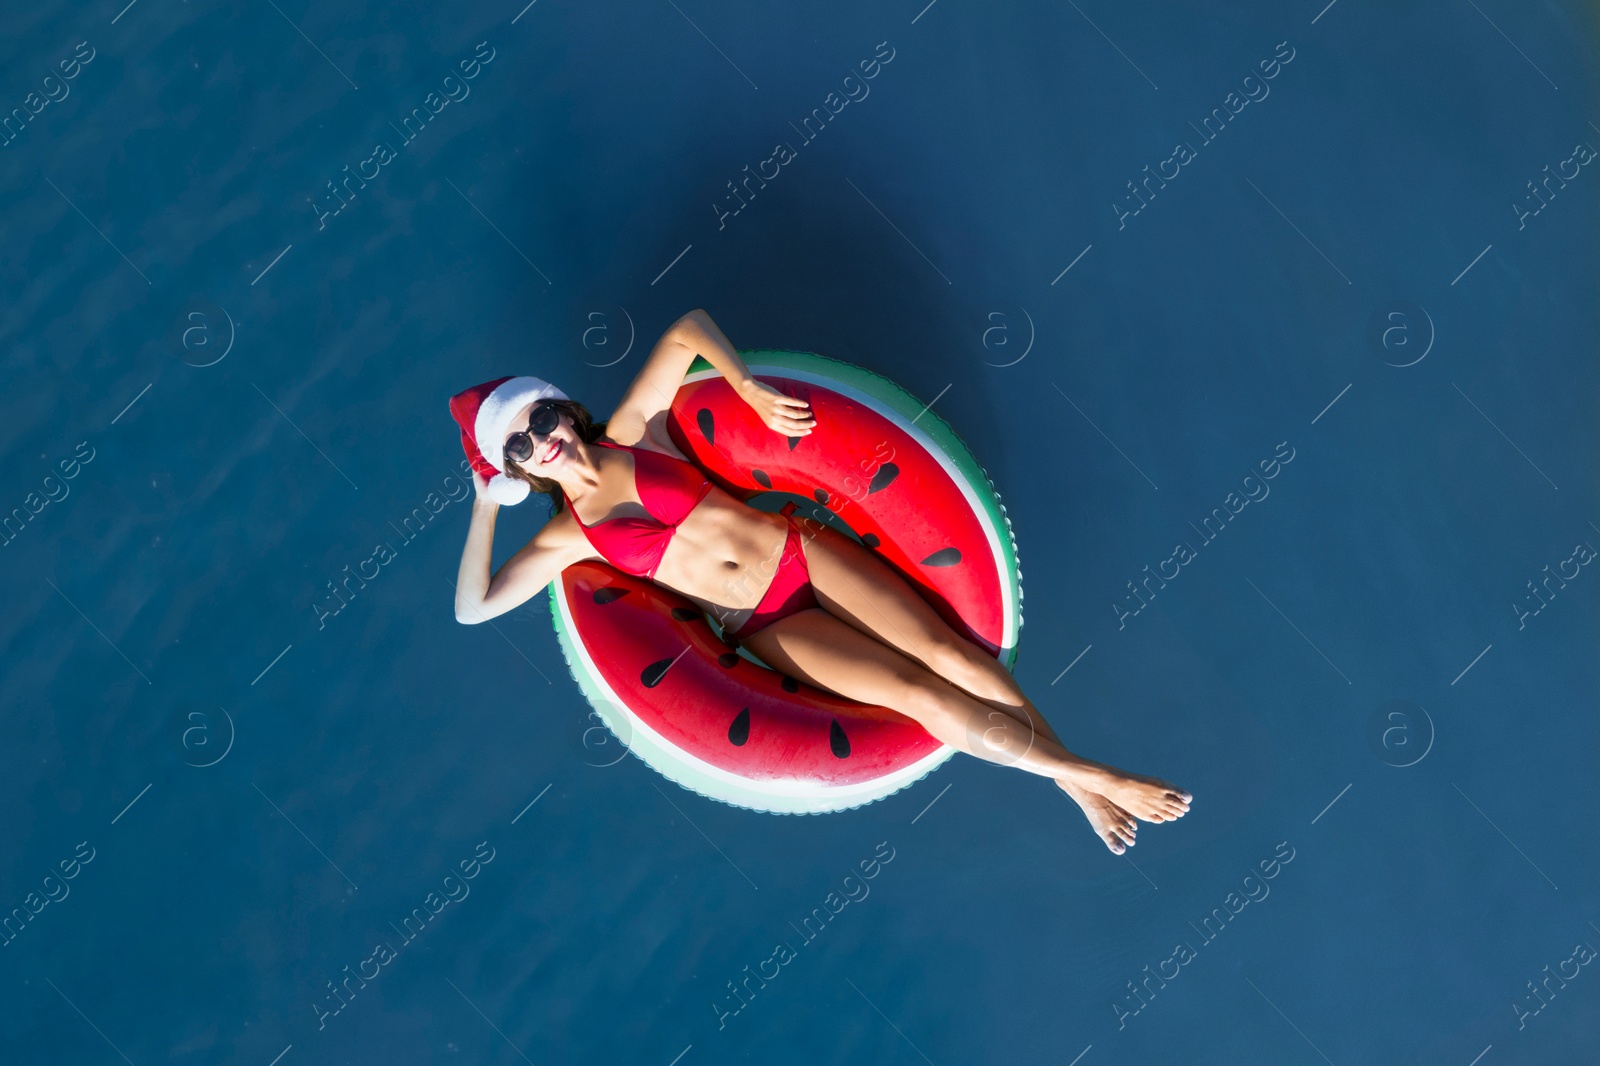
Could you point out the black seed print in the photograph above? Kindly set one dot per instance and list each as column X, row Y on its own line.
column 880, row 481
column 838, row 741
column 653, row 674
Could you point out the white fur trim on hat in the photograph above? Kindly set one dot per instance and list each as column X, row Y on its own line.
column 508, row 491
column 494, row 414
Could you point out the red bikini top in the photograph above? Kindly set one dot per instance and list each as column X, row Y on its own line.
column 669, row 488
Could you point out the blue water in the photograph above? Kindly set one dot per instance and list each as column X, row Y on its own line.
column 247, row 380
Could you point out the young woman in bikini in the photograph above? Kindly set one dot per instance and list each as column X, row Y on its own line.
column 830, row 613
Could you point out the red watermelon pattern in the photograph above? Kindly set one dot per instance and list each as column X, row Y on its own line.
column 712, row 719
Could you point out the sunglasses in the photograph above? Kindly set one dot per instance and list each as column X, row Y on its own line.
column 542, row 420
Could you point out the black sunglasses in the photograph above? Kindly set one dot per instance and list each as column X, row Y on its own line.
column 542, row 420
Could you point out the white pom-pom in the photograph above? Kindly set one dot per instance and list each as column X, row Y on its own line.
column 507, row 491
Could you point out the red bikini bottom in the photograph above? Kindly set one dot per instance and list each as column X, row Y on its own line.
column 790, row 591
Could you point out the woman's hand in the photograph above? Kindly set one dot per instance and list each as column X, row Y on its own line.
column 481, row 487
column 783, row 414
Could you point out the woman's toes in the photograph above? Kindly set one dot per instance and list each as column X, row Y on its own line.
column 1114, row 844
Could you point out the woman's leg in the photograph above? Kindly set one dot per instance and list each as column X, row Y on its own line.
column 824, row 651
column 854, row 584
column 1115, row 827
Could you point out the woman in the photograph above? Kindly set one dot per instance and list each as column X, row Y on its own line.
column 817, row 606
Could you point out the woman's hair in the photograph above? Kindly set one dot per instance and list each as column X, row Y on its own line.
column 588, row 431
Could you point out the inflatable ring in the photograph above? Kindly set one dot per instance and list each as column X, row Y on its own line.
column 881, row 467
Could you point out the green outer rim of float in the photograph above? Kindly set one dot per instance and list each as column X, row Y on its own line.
column 701, row 777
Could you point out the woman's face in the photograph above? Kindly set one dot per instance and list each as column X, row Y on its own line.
column 551, row 451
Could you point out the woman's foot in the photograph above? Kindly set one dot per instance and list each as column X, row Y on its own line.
column 1113, row 825
column 1149, row 799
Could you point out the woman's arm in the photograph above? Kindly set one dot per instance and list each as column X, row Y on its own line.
column 657, row 383
column 472, row 579
column 480, row 597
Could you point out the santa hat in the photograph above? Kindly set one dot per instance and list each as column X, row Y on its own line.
column 484, row 413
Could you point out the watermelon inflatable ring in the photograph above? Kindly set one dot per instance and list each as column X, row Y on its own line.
column 884, row 469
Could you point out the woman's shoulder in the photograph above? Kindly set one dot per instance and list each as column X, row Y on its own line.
column 561, row 531
column 654, row 439
column 563, row 534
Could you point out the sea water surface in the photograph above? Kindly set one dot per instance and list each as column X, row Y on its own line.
column 1306, row 290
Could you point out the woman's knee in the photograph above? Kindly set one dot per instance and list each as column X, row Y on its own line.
column 930, row 699
column 972, row 669
column 826, row 652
